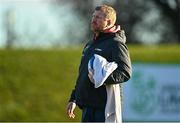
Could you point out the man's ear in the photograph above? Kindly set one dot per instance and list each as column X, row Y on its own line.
column 109, row 22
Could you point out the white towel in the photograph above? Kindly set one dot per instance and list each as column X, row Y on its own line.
column 113, row 111
column 102, row 69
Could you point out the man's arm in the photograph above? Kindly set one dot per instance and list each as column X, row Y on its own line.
column 121, row 56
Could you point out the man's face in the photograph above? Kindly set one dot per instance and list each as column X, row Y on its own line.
column 98, row 22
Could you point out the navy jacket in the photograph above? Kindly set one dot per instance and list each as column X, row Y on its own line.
column 112, row 47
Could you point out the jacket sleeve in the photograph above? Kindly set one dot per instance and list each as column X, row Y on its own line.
column 120, row 55
column 72, row 98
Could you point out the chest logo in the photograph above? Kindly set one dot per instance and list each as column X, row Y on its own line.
column 97, row 49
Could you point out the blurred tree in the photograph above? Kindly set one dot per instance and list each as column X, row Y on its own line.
column 128, row 15
column 171, row 10
column 151, row 21
column 9, row 26
column 84, row 8
column 77, row 18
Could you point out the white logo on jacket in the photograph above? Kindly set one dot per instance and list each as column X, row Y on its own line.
column 98, row 49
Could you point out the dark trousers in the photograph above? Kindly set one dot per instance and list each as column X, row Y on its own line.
column 93, row 115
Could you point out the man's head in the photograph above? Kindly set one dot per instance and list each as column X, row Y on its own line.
column 103, row 17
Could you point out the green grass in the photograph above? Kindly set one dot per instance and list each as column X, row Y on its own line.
column 36, row 84
column 155, row 54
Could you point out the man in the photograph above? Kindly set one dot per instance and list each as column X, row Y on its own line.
column 108, row 42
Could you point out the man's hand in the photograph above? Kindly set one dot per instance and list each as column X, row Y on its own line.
column 90, row 75
column 70, row 109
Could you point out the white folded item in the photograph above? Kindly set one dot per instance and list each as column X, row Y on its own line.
column 113, row 108
column 102, row 69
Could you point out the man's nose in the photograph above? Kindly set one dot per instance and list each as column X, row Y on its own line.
column 93, row 20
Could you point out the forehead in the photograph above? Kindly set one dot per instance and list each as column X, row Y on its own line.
column 98, row 13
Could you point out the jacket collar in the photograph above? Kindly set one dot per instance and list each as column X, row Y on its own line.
column 102, row 36
column 107, row 33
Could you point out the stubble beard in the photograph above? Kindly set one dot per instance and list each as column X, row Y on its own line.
column 96, row 29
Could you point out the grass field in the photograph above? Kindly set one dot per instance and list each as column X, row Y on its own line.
column 35, row 84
